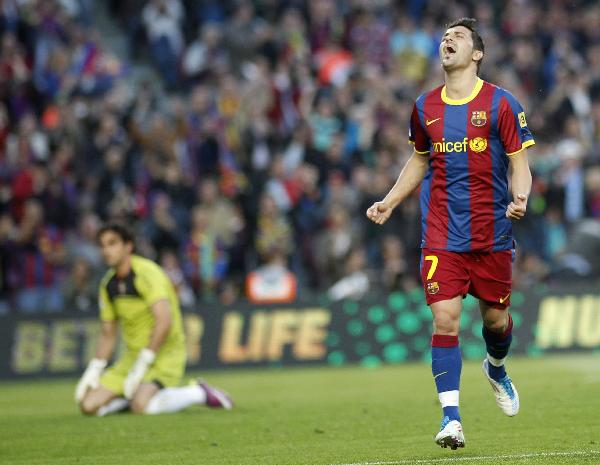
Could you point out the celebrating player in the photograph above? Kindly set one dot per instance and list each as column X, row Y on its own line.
column 136, row 293
column 469, row 138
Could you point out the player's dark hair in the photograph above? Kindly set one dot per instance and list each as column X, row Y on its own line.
column 120, row 230
column 471, row 25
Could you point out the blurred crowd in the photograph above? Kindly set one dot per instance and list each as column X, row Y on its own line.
column 272, row 127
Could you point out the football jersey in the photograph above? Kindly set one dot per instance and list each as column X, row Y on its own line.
column 129, row 300
column 464, row 195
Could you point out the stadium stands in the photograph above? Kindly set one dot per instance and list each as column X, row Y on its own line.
column 270, row 125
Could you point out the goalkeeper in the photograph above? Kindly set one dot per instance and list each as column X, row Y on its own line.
column 137, row 295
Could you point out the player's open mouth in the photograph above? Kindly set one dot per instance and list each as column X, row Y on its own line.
column 449, row 50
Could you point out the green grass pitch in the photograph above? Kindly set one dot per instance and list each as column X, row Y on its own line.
column 320, row 416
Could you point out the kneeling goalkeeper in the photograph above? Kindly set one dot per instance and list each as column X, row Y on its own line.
column 137, row 295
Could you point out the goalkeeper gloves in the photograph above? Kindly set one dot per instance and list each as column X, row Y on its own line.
column 136, row 374
column 90, row 378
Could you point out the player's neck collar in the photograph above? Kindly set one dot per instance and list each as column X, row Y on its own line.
column 462, row 101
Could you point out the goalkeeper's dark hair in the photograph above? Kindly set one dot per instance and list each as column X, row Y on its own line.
column 119, row 229
column 471, row 25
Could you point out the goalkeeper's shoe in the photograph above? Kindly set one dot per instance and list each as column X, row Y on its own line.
column 216, row 398
column 451, row 434
column 506, row 394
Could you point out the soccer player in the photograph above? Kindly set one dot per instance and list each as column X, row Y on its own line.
column 470, row 138
column 137, row 295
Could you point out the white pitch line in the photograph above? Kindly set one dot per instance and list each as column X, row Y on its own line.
column 482, row 458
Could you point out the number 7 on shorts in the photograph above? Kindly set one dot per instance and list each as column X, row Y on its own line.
column 434, row 263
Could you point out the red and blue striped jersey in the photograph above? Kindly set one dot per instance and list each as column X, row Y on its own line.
column 469, row 141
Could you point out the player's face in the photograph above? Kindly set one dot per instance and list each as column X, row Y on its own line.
column 456, row 49
column 114, row 249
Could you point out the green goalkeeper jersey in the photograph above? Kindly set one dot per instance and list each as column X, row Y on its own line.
column 129, row 300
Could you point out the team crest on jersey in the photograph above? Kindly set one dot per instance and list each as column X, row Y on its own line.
column 478, row 118
column 433, row 287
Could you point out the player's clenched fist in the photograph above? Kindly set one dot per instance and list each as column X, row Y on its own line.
column 379, row 212
column 516, row 210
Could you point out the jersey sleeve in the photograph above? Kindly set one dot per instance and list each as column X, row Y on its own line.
column 512, row 126
column 417, row 134
column 107, row 310
column 152, row 284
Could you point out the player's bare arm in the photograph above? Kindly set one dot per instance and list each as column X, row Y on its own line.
column 520, row 177
column 409, row 179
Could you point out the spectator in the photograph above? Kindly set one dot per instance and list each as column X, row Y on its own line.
column 38, row 262
column 224, row 219
column 170, row 264
column 205, row 54
column 162, row 227
column 354, row 282
column 80, row 288
column 324, row 125
column 335, row 243
column 556, row 234
column 162, row 19
column 241, row 33
column 82, row 243
column 14, row 69
column 273, row 231
column 205, row 258
column 412, row 48
column 290, row 120
column 114, row 180
column 7, row 232
column 272, row 282
column 370, row 38
column 396, row 272
column 592, row 184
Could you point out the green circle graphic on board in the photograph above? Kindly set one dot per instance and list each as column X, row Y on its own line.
column 355, row 327
column 408, row 322
column 350, row 307
column 362, row 348
column 384, row 333
column 370, row 361
column 421, row 343
column 397, row 301
column 395, row 353
column 473, row 350
column 336, row 358
column 377, row 314
column 333, row 339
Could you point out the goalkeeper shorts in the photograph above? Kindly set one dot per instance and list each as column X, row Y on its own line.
column 167, row 371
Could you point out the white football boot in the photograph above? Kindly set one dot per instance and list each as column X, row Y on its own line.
column 451, row 434
column 506, row 394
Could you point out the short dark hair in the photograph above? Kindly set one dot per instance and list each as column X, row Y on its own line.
column 471, row 25
column 119, row 229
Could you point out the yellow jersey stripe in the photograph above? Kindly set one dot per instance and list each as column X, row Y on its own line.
column 416, row 151
column 527, row 143
column 462, row 101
